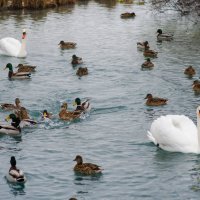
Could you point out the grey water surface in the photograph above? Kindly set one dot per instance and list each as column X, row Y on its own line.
column 113, row 134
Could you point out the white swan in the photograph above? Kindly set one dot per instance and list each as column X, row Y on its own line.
column 12, row 47
column 176, row 133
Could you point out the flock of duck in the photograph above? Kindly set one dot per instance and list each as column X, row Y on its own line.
column 20, row 117
column 171, row 132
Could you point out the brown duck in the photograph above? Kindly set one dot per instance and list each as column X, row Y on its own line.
column 9, row 106
column 26, row 68
column 196, row 86
column 82, row 71
column 67, row 45
column 150, row 53
column 127, row 15
column 147, row 64
column 155, row 101
column 86, row 168
column 190, row 71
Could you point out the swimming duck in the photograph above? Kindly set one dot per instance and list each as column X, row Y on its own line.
column 67, row 45
column 72, row 198
column 82, row 71
column 16, row 75
column 196, row 86
column 127, row 15
column 82, row 107
column 155, row 101
column 23, row 115
column 14, row 128
column 143, row 45
column 8, row 106
column 25, row 68
column 190, row 71
column 76, row 60
column 147, row 64
column 66, row 115
column 15, row 175
column 150, row 53
column 86, row 168
column 164, row 36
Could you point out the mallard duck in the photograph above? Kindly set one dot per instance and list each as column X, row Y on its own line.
column 23, row 115
column 155, row 101
column 66, row 115
column 164, row 36
column 82, row 107
column 26, row 68
column 86, row 168
column 150, row 53
column 196, row 86
column 15, row 175
column 8, row 106
column 127, row 15
column 143, row 45
column 82, row 71
column 16, row 75
column 76, row 60
column 190, row 71
column 67, row 45
column 147, row 64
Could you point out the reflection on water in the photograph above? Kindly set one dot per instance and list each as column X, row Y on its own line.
column 195, row 175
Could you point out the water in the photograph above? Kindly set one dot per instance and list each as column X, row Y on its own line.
column 113, row 135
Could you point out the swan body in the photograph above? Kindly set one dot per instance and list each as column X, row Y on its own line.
column 176, row 133
column 12, row 47
column 21, row 178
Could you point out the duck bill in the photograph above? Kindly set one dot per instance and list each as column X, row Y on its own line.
column 24, row 35
column 7, row 118
column 74, row 103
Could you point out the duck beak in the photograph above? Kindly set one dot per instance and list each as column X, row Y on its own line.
column 74, row 159
column 7, row 118
column 45, row 115
column 74, row 103
column 5, row 68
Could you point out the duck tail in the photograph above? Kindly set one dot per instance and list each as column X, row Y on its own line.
column 151, row 138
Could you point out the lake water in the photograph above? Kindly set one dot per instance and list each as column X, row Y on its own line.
column 113, row 135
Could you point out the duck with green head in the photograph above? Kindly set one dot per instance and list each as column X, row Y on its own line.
column 18, row 75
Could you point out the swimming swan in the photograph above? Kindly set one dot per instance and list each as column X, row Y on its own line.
column 176, row 133
column 12, row 47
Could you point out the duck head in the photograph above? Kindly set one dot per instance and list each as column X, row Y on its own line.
column 61, row 42
column 17, row 101
column 9, row 66
column 13, row 161
column 159, row 31
column 77, row 102
column 78, row 159
column 149, row 96
column 64, row 105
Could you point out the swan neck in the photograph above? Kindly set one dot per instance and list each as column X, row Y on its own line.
column 22, row 52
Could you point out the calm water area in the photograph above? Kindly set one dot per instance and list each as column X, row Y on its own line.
column 113, row 134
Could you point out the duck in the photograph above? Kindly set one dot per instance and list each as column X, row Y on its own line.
column 26, row 68
column 13, row 129
column 147, row 64
column 17, row 75
column 12, row 47
column 86, row 168
column 66, row 115
column 150, row 53
column 82, row 71
column 164, row 36
column 155, row 101
column 176, row 133
column 76, row 60
column 67, row 45
column 196, row 86
column 127, row 15
column 81, row 107
column 14, row 174
column 190, row 71
column 9, row 106
column 46, row 114
column 143, row 45
column 23, row 115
